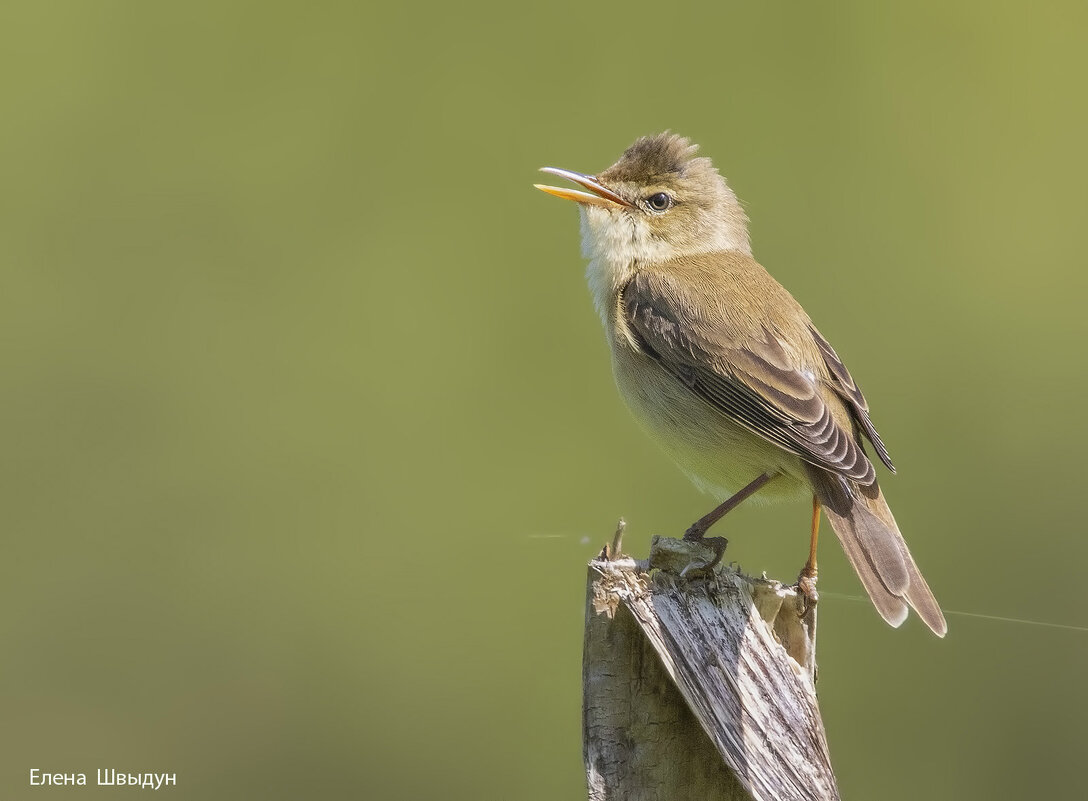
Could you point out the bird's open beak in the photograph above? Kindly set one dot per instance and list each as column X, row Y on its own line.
column 602, row 195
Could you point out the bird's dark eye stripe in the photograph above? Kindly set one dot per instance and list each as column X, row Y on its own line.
column 659, row 201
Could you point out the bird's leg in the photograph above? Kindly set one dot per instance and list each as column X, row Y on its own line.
column 806, row 582
column 700, row 526
column 698, row 529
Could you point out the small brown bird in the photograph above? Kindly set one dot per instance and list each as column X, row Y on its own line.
column 725, row 370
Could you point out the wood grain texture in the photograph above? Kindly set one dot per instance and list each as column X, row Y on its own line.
column 689, row 690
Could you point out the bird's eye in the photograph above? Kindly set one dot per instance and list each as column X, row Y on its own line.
column 659, row 202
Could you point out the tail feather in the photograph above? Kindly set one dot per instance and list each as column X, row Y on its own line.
column 921, row 599
column 872, row 542
column 891, row 607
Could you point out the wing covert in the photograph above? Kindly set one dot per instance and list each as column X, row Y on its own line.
column 752, row 380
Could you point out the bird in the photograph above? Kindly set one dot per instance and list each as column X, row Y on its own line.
column 725, row 370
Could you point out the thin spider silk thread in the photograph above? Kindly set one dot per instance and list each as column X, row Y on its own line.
column 838, row 596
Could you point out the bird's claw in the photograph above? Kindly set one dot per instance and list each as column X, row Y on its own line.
column 717, row 544
column 806, row 586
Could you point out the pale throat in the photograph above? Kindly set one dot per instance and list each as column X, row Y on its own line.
column 616, row 243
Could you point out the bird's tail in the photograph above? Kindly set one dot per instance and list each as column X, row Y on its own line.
column 872, row 542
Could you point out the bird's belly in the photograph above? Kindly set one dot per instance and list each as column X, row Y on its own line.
column 718, row 455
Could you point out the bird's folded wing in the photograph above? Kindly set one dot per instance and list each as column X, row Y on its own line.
column 849, row 391
column 750, row 378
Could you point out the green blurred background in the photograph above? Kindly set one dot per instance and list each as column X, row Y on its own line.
column 308, row 423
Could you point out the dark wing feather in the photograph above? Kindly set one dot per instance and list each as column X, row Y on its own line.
column 754, row 384
column 850, row 392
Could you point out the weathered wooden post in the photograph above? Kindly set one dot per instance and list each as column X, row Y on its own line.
column 699, row 684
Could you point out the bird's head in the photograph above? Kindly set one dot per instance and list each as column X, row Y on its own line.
column 658, row 202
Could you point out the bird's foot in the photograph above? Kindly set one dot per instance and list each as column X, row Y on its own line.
column 806, row 586
column 717, row 544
